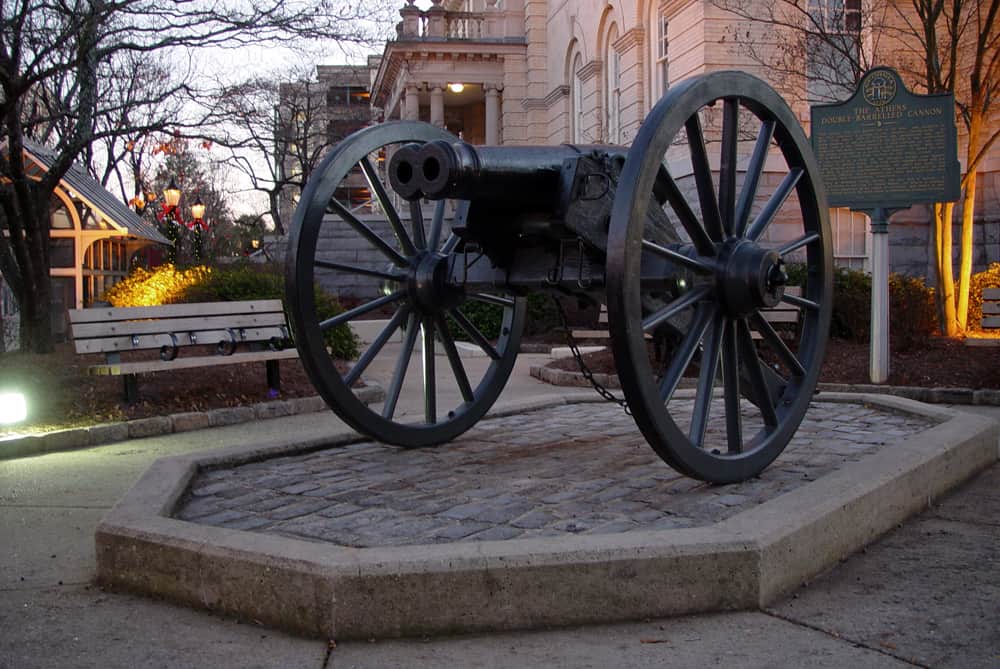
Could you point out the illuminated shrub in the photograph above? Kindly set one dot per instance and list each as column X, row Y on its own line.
column 990, row 278
column 149, row 288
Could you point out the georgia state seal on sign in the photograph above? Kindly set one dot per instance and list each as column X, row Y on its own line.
column 879, row 88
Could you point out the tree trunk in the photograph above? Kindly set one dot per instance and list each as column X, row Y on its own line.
column 968, row 211
column 36, row 321
column 945, row 272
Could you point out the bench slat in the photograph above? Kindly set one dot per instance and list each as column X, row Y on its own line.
column 148, row 341
column 991, row 308
column 102, row 314
column 117, row 369
column 991, row 321
column 991, row 293
column 175, row 325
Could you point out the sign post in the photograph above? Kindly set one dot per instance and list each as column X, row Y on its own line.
column 883, row 150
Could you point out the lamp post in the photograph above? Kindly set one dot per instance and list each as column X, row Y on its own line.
column 197, row 225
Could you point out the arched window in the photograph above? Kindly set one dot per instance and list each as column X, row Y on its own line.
column 576, row 113
column 612, row 88
column 658, row 79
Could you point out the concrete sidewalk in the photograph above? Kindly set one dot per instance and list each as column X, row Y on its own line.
column 927, row 594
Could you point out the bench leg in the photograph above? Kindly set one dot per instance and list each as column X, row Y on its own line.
column 273, row 376
column 131, row 388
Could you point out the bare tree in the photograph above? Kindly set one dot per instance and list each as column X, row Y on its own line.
column 938, row 46
column 57, row 61
column 277, row 129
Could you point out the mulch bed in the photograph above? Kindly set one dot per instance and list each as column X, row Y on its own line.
column 62, row 394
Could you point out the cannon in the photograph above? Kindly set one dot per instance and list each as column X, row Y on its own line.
column 689, row 236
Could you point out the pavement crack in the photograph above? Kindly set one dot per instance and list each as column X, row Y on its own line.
column 840, row 637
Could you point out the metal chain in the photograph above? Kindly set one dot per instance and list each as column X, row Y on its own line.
column 584, row 369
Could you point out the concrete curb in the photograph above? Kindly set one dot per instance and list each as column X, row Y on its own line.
column 560, row 377
column 745, row 562
column 98, row 435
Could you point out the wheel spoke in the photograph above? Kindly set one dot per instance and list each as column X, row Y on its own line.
column 474, row 333
column 703, row 179
column 731, row 383
column 461, row 378
column 378, row 188
column 667, row 187
column 450, row 244
column 755, row 374
column 354, row 269
column 368, row 233
column 678, row 258
column 399, row 374
column 430, row 382
column 417, row 224
column 360, row 310
column 773, row 340
column 706, row 380
column 376, row 346
column 492, row 299
column 805, row 240
column 752, row 178
column 727, row 164
column 437, row 225
column 800, row 302
column 774, row 204
column 682, row 357
column 675, row 307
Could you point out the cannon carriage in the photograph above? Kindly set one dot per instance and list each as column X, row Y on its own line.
column 686, row 235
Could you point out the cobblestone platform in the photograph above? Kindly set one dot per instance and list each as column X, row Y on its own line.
column 572, row 469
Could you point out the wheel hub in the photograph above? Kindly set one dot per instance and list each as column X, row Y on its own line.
column 428, row 286
column 752, row 278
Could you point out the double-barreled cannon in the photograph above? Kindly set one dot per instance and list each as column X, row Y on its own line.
column 689, row 236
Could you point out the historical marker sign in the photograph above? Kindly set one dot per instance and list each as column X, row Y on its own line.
column 886, row 147
column 883, row 150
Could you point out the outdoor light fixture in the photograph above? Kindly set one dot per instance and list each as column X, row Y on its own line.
column 13, row 408
column 456, row 87
column 198, row 209
column 172, row 195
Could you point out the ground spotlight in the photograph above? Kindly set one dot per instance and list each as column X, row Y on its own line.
column 13, row 407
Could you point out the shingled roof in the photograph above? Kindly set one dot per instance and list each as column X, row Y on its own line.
column 96, row 196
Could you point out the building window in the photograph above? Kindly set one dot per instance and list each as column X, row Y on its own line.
column 612, row 88
column 61, row 219
column 832, row 53
column 850, row 238
column 576, row 115
column 658, row 80
column 62, row 252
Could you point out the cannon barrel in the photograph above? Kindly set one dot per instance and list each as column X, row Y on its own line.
column 441, row 169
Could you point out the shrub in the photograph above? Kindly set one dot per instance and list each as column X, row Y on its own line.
column 852, row 305
column 990, row 278
column 912, row 312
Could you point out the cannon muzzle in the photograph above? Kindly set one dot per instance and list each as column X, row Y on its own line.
column 441, row 169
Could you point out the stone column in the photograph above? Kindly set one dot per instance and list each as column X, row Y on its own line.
column 492, row 115
column 437, row 106
column 411, row 109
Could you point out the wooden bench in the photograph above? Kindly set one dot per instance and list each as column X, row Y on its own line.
column 991, row 309
column 246, row 331
column 782, row 313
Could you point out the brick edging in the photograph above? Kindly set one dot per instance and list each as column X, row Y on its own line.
column 560, row 377
column 154, row 426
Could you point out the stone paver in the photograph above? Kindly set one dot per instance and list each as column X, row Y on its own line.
column 572, row 469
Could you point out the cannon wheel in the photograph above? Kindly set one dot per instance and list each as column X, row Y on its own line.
column 735, row 273
column 413, row 290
